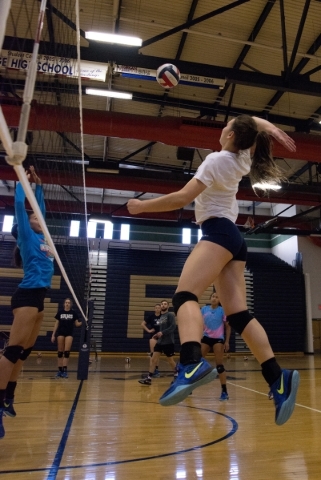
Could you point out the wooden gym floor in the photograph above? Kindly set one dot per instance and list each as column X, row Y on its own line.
column 110, row 427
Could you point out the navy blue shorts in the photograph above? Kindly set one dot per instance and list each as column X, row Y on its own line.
column 225, row 233
column 168, row 349
column 211, row 341
column 29, row 297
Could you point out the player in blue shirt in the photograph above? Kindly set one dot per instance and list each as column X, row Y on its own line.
column 217, row 335
column 27, row 302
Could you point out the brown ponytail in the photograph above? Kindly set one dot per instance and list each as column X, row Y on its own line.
column 264, row 169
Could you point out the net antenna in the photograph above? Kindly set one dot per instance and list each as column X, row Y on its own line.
column 16, row 151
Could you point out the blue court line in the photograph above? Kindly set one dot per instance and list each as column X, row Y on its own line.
column 232, row 431
column 61, row 448
column 55, row 468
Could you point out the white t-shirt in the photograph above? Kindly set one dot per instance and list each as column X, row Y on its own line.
column 221, row 172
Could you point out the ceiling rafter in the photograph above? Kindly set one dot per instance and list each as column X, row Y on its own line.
column 191, row 22
column 169, row 176
column 239, row 62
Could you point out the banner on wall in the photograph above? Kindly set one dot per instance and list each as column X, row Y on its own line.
column 50, row 65
column 186, row 79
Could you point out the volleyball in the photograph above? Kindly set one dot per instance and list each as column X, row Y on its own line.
column 168, row 75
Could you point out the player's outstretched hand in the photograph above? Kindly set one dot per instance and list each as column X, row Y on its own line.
column 34, row 176
column 135, row 206
column 284, row 139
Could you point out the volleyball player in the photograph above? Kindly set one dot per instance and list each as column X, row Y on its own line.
column 27, row 302
column 66, row 320
column 164, row 343
column 220, row 255
column 216, row 335
column 151, row 326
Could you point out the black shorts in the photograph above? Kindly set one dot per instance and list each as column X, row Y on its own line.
column 168, row 349
column 29, row 297
column 64, row 333
column 212, row 341
column 225, row 233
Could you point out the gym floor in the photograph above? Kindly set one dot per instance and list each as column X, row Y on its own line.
column 110, row 427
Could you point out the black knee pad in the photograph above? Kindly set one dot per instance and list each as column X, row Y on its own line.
column 239, row 320
column 13, row 353
column 67, row 353
column 25, row 354
column 220, row 369
column 60, row 354
column 180, row 298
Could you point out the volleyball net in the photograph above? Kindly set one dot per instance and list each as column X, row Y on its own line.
column 32, row 84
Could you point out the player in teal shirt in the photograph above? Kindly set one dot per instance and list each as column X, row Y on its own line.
column 37, row 259
column 214, row 336
column 27, row 302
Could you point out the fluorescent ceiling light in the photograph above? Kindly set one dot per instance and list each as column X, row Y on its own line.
column 109, row 93
column 267, row 186
column 102, row 170
column 112, row 38
column 99, row 220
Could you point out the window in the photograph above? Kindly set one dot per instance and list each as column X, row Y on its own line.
column 7, row 223
column 108, row 231
column 124, row 232
column 74, row 228
column 199, row 234
column 91, row 229
column 186, row 236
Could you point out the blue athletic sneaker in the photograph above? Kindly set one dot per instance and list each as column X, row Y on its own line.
column 156, row 374
column 64, row 375
column 2, row 432
column 8, row 410
column 284, row 393
column 189, row 377
column 224, row 396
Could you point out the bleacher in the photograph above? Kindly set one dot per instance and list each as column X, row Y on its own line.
column 137, row 279
column 279, row 301
column 75, row 261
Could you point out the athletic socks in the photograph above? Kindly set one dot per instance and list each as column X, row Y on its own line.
column 190, row 353
column 2, row 398
column 10, row 390
column 271, row 370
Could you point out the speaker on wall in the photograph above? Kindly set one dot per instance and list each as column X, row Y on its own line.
column 185, row 153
